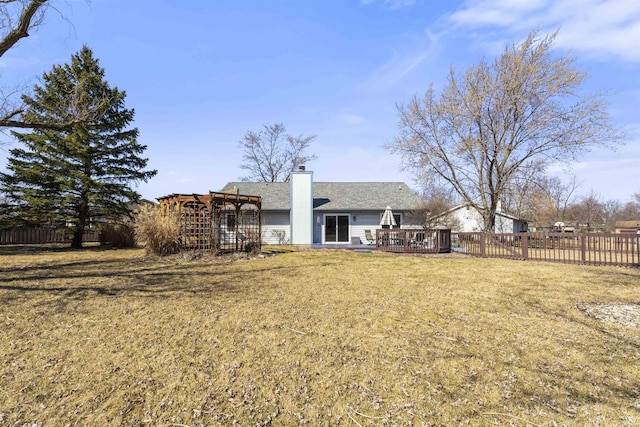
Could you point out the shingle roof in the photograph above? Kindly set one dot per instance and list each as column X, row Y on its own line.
column 628, row 224
column 334, row 196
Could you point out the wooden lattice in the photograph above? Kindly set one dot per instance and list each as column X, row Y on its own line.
column 227, row 222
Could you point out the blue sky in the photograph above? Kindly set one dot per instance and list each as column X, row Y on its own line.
column 200, row 74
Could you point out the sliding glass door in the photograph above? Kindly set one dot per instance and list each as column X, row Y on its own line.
column 336, row 228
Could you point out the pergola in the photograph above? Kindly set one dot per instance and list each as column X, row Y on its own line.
column 226, row 221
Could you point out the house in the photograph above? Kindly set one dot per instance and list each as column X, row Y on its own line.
column 304, row 212
column 465, row 218
column 628, row 227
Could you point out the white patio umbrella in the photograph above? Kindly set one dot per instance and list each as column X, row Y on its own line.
column 387, row 218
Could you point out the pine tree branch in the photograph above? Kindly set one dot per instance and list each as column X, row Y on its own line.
column 10, row 123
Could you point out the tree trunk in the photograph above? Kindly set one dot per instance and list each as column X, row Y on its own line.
column 490, row 223
column 83, row 217
column 489, row 217
column 76, row 241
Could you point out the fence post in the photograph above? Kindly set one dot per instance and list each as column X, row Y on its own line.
column 524, row 241
column 482, row 244
column 583, row 247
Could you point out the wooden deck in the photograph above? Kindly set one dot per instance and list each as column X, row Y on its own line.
column 413, row 240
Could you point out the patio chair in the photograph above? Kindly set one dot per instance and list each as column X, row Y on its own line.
column 369, row 237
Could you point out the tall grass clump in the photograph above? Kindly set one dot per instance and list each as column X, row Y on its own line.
column 157, row 228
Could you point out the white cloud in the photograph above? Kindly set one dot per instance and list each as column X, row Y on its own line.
column 402, row 63
column 599, row 28
column 491, row 12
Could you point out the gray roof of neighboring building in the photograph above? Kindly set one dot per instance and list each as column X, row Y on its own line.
column 334, row 196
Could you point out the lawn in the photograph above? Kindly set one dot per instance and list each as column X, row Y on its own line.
column 109, row 337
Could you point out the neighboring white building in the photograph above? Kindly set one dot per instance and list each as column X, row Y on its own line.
column 305, row 212
column 469, row 219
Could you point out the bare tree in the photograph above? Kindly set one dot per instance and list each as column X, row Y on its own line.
column 525, row 193
column 617, row 211
column 271, row 154
column 17, row 19
column 589, row 212
column 560, row 194
column 435, row 202
column 631, row 210
column 495, row 121
column 543, row 201
column 612, row 210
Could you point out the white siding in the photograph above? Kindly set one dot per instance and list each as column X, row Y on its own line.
column 504, row 224
column 470, row 220
column 365, row 221
column 274, row 224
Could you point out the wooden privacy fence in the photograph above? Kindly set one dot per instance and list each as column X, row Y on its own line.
column 36, row 236
column 579, row 248
column 413, row 240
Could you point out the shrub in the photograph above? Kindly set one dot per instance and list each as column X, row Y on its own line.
column 157, row 228
column 118, row 235
column 252, row 243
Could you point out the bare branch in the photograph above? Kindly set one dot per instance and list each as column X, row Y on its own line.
column 29, row 18
column 17, row 18
column 271, row 155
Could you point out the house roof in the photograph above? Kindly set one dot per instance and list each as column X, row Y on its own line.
column 628, row 224
column 334, row 196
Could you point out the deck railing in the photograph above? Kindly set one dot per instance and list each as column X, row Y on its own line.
column 413, row 240
column 579, row 248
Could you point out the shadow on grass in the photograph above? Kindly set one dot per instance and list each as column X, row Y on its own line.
column 7, row 250
column 56, row 267
column 565, row 389
column 134, row 277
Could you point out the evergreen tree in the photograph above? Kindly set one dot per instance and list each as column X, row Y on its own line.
column 85, row 171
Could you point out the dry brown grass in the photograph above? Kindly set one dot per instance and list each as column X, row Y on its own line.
column 322, row 338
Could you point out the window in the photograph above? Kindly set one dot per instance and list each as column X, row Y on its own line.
column 336, row 229
column 231, row 221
